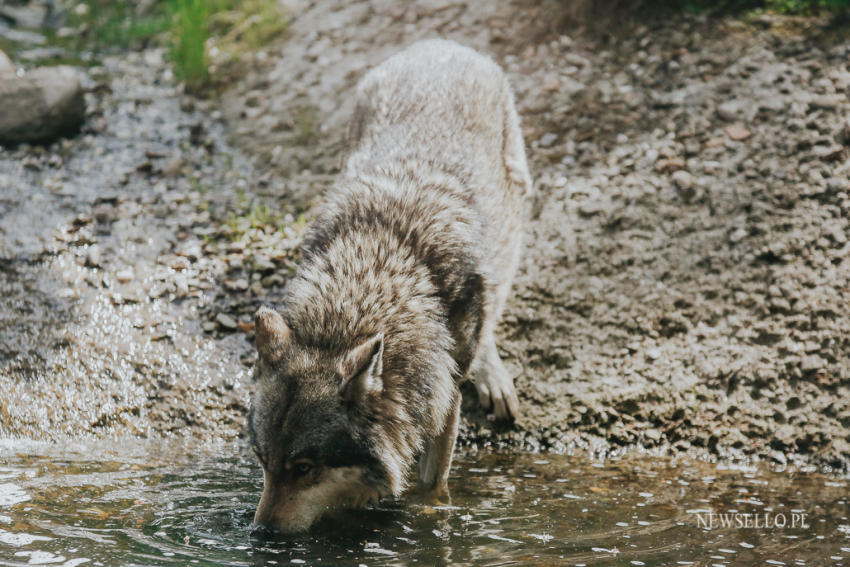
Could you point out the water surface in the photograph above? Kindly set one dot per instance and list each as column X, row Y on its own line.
column 174, row 505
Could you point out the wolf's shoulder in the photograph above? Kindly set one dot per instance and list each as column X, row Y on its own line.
column 434, row 66
column 442, row 54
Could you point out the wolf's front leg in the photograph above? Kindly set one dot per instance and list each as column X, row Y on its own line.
column 494, row 384
column 436, row 460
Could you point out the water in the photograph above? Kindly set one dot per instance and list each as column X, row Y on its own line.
column 177, row 505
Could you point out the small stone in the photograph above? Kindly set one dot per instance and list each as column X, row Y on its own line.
column 652, row 434
column 177, row 262
column 157, row 290
column 263, row 265
column 547, row 140
column 125, row 275
column 172, row 168
column 684, row 181
column 93, row 257
column 812, row 363
column 826, row 102
column 737, row 235
column 728, row 111
column 829, row 153
column 780, row 304
column 653, row 354
column 208, row 326
column 737, row 132
column 837, row 184
column 590, row 209
column 226, row 321
column 240, row 284
column 272, row 280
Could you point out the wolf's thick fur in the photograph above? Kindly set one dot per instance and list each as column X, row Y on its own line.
column 403, row 279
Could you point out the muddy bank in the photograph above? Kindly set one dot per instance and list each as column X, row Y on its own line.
column 685, row 280
column 684, row 286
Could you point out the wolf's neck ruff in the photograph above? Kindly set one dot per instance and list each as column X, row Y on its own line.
column 393, row 253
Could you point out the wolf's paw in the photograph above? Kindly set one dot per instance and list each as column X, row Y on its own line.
column 496, row 392
column 438, row 496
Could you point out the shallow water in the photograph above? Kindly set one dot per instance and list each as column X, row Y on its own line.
column 170, row 505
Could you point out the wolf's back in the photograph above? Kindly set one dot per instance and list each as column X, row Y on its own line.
column 450, row 104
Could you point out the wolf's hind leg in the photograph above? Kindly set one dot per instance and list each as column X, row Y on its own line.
column 494, row 384
column 436, row 460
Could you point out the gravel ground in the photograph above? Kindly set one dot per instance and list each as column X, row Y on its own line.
column 108, row 254
column 685, row 286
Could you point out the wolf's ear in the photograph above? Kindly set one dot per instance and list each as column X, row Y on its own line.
column 361, row 369
column 272, row 334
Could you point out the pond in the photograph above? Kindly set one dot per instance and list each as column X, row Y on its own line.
column 174, row 504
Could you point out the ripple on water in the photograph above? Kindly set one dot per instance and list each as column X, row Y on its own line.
column 166, row 505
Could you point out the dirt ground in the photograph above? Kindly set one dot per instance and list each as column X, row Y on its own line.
column 685, row 286
column 686, row 282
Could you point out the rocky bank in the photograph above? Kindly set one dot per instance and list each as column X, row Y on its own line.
column 685, row 286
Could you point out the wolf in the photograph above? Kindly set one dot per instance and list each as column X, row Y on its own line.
column 402, row 280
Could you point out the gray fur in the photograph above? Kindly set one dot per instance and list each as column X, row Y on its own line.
column 406, row 270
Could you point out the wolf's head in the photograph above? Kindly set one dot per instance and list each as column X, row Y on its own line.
column 313, row 429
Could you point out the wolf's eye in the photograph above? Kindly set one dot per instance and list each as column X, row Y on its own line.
column 301, row 468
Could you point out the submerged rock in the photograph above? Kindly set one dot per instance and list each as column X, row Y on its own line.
column 40, row 106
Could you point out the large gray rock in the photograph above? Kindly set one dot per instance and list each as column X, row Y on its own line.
column 40, row 106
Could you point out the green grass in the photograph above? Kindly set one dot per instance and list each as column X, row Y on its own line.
column 188, row 27
column 189, row 40
column 234, row 27
column 256, row 217
column 803, row 7
column 593, row 10
column 246, row 24
column 808, row 6
column 108, row 24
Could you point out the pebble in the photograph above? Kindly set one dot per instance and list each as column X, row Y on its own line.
column 812, row 363
column 548, row 139
column 728, row 111
column 590, row 208
column 737, row 235
column 273, row 280
column 226, row 321
column 125, row 275
column 239, row 284
column 826, row 102
column 93, row 256
column 737, row 132
column 683, row 180
column 263, row 265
